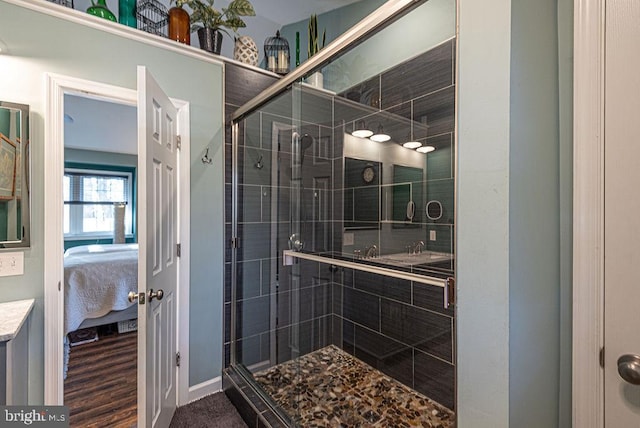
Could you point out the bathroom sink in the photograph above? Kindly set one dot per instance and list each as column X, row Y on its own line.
column 404, row 259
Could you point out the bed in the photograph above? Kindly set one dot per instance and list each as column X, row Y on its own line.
column 97, row 281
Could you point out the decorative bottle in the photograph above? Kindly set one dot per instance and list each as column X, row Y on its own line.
column 100, row 9
column 179, row 25
column 297, row 48
column 127, row 13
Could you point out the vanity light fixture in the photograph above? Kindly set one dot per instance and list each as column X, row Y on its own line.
column 425, row 149
column 412, row 144
column 361, row 131
column 380, row 136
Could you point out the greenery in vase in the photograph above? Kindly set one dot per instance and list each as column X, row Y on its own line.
column 313, row 48
column 204, row 15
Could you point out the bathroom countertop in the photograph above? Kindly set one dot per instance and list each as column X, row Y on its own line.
column 12, row 316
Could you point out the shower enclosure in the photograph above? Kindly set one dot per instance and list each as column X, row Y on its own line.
column 342, row 266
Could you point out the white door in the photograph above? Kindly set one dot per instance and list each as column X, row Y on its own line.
column 157, row 234
column 622, row 213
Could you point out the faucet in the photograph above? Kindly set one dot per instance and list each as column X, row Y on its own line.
column 418, row 247
column 371, row 252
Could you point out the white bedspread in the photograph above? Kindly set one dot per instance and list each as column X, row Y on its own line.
column 97, row 280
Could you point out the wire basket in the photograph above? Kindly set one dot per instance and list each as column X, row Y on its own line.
column 67, row 3
column 153, row 17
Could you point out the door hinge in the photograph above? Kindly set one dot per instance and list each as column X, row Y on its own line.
column 235, row 242
column 178, row 142
column 177, row 359
column 601, row 356
column 178, row 250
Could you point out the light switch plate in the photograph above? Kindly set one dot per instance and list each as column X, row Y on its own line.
column 432, row 235
column 11, row 264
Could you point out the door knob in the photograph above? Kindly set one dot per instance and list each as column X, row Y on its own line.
column 155, row 294
column 133, row 296
column 629, row 368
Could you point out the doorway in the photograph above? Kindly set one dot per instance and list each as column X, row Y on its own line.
column 100, row 261
column 57, row 88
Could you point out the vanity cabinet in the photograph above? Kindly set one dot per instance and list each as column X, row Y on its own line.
column 14, row 351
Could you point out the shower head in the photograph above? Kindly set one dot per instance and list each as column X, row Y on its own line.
column 306, row 141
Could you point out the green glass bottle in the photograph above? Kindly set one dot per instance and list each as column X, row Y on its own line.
column 100, row 9
column 297, row 48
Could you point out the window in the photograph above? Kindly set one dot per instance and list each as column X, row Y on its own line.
column 89, row 199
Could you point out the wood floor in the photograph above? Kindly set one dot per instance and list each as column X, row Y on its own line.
column 100, row 389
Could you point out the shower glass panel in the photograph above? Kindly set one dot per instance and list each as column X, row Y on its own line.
column 284, row 201
column 340, row 304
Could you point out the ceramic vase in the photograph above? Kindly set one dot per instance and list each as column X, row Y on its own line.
column 246, row 51
column 316, row 79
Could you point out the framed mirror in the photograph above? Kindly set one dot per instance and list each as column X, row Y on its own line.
column 14, row 176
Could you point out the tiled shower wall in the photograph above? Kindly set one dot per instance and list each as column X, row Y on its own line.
column 397, row 326
column 241, row 85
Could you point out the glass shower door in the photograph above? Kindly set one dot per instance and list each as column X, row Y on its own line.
column 264, row 292
column 283, row 199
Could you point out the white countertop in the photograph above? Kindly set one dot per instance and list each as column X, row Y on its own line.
column 12, row 316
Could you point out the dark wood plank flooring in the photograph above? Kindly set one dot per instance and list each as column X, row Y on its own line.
column 101, row 384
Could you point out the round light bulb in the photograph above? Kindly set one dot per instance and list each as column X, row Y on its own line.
column 425, row 149
column 362, row 133
column 380, row 138
column 412, row 144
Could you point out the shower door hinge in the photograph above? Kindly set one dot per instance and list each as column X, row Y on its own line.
column 177, row 359
column 601, row 357
column 235, row 242
column 178, row 142
column 178, row 250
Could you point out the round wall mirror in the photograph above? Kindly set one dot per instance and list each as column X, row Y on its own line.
column 434, row 210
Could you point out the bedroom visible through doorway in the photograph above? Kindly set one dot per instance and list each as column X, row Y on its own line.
column 100, row 261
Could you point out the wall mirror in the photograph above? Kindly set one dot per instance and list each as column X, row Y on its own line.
column 14, row 176
column 362, row 179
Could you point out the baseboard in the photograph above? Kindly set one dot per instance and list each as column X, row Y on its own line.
column 203, row 389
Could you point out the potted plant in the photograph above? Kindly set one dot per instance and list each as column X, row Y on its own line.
column 313, row 47
column 209, row 21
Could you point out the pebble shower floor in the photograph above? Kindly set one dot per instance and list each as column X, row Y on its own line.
column 330, row 388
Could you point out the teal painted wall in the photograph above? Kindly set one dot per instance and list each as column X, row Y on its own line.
column 430, row 24
column 5, row 119
column 73, row 52
column 3, row 221
column 334, row 22
column 514, row 214
column 534, row 216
